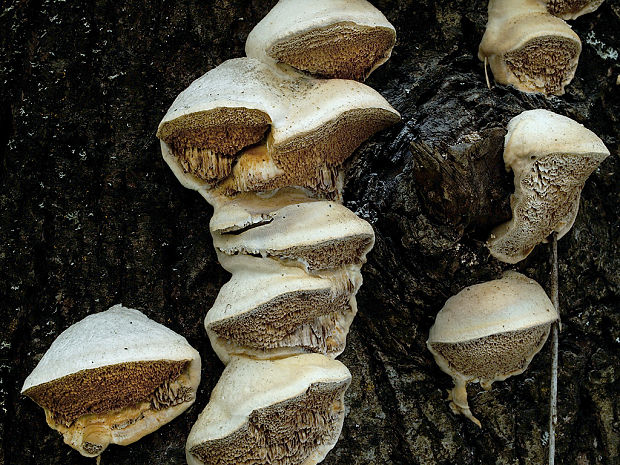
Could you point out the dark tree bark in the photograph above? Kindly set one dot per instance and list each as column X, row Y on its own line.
column 92, row 216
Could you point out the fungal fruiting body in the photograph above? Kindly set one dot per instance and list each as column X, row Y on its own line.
column 263, row 143
column 268, row 310
column 295, row 263
column 551, row 157
column 571, row 9
column 345, row 39
column 529, row 48
column 489, row 332
column 246, row 126
column 279, row 412
column 315, row 235
column 113, row 378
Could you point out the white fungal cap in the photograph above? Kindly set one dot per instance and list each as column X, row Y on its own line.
column 242, row 211
column 287, row 411
column 272, row 311
column 114, row 377
column 489, row 332
column 217, row 130
column 551, row 157
column 345, row 39
column 314, row 235
column 571, row 9
column 529, row 48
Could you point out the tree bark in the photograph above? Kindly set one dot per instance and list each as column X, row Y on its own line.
column 92, row 216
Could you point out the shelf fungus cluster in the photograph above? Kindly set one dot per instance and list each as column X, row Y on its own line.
column 528, row 44
column 551, row 157
column 262, row 138
column 489, row 332
column 113, row 378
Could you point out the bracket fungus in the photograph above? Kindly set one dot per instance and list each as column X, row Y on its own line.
column 529, row 48
column 571, row 9
column 346, row 39
column 282, row 412
column 551, row 157
column 268, row 310
column 489, row 332
column 113, row 378
column 314, row 235
column 245, row 126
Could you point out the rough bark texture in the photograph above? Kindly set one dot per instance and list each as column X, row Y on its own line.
column 92, row 216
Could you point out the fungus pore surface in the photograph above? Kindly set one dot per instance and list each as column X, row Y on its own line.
column 286, row 433
column 112, row 388
column 495, row 355
column 570, row 9
column 309, row 160
column 206, row 143
column 311, row 320
column 332, row 142
column 544, row 64
column 343, row 50
column 329, row 254
column 546, row 200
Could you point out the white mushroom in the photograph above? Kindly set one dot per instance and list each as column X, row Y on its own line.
column 113, row 378
column 489, row 332
column 315, row 235
column 551, row 157
column 529, row 48
column 268, row 310
column 281, row 412
column 571, row 9
column 217, row 130
column 345, row 39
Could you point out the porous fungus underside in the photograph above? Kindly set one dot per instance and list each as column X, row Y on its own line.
column 544, row 64
column 285, row 433
column 489, row 357
column 329, row 254
column 547, row 201
column 343, row 50
column 207, row 142
column 110, row 388
column 569, row 7
column 305, row 319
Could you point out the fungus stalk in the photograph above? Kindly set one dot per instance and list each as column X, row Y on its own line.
column 555, row 329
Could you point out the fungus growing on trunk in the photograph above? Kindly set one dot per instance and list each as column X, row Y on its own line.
column 245, row 126
column 551, row 157
column 268, row 310
column 346, row 39
column 489, row 332
column 315, row 235
column 113, row 378
column 529, row 48
column 571, row 9
column 282, row 412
